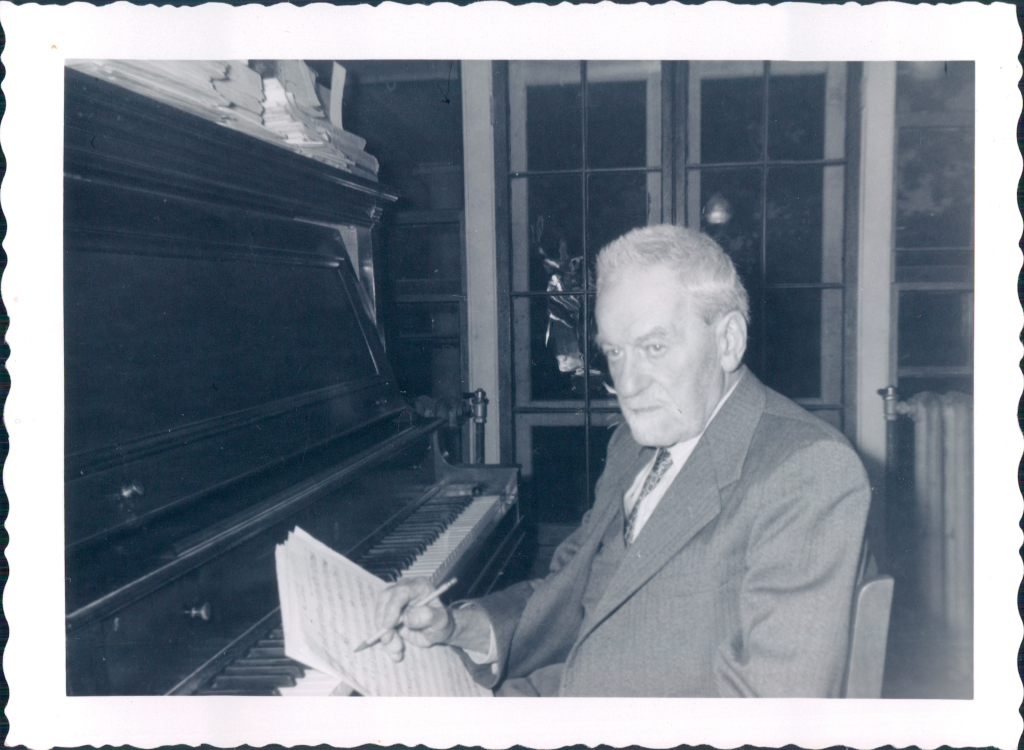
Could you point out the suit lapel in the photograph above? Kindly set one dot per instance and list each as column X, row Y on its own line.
column 693, row 500
column 689, row 505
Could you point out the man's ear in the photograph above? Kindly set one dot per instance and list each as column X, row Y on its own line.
column 732, row 340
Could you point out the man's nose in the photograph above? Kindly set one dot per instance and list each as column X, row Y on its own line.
column 630, row 376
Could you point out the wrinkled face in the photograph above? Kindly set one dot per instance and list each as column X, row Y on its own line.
column 665, row 360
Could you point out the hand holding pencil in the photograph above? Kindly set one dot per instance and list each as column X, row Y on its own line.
column 410, row 610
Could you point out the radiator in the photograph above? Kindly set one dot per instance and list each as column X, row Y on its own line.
column 943, row 505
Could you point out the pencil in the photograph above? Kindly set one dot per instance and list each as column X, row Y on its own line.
column 415, row 603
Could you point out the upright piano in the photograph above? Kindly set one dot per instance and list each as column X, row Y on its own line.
column 225, row 382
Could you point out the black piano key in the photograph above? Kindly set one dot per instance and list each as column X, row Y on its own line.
column 244, row 669
column 387, row 572
column 397, row 557
column 275, row 652
column 258, row 662
column 252, row 682
column 414, row 547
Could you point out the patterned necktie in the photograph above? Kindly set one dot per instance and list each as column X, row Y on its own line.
column 662, row 462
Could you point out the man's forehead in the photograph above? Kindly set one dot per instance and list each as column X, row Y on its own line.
column 641, row 287
column 628, row 314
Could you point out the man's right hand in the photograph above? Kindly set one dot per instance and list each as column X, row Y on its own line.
column 422, row 626
column 428, row 624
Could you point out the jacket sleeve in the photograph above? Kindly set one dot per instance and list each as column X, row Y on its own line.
column 504, row 609
column 796, row 594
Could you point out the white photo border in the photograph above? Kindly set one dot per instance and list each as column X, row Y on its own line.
column 41, row 38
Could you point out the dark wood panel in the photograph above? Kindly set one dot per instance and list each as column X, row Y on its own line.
column 87, row 462
column 187, row 469
column 116, row 218
column 157, row 343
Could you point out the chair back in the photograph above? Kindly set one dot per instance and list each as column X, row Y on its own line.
column 869, row 632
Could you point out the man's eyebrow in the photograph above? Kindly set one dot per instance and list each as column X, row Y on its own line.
column 654, row 333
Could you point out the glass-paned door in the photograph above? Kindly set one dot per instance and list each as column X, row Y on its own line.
column 585, row 166
column 765, row 176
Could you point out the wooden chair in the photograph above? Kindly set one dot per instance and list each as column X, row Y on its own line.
column 869, row 631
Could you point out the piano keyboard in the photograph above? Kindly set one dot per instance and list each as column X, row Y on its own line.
column 428, row 543
column 437, row 560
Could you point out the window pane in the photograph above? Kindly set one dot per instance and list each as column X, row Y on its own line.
column 935, row 86
column 796, row 117
column 554, row 124
column 803, row 336
column 549, row 348
column 732, row 120
column 617, row 124
column 559, row 480
column 730, row 201
column 935, row 191
column 936, row 328
column 616, row 203
column 793, row 342
column 552, row 230
column 794, row 224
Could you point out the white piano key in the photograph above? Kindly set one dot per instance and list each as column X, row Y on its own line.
column 431, row 563
column 314, row 683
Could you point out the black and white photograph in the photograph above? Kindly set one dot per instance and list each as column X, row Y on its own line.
column 553, row 375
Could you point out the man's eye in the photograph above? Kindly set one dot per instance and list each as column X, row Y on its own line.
column 612, row 353
column 655, row 349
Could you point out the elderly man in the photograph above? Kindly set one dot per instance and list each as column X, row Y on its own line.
column 719, row 557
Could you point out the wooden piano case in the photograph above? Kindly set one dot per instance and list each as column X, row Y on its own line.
column 224, row 382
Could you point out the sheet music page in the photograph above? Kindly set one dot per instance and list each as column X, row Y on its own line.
column 327, row 605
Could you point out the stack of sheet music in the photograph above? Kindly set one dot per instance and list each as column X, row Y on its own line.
column 283, row 109
column 327, row 609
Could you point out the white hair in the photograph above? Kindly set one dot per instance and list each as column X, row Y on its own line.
column 703, row 268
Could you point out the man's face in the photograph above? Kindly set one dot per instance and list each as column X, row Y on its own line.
column 664, row 359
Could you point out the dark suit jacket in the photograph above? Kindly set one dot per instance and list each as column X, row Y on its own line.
column 740, row 583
